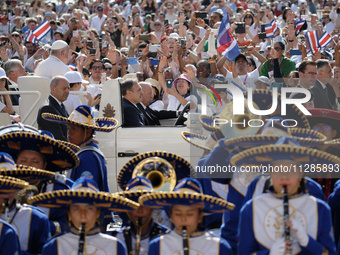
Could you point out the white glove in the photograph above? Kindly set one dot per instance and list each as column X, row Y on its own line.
column 300, row 233
column 279, row 247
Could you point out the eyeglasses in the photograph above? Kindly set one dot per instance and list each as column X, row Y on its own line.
column 248, row 17
column 325, row 128
column 157, row 24
column 108, row 68
column 311, row 73
column 169, row 8
column 324, row 17
column 100, row 10
column 97, row 68
column 277, row 48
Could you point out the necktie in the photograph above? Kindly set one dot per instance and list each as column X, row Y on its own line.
column 64, row 110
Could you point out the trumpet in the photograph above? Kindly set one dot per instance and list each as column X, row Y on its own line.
column 81, row 239
column 185, row 241
column 286, row 234
column 138, row 236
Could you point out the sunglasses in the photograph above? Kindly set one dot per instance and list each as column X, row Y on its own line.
column 97, row 68
column 108, row 68
column 15, row 35
column 325, row 128
column 248, row 17
column 277, row 48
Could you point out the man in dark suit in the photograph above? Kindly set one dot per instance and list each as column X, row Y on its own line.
column 132, row 95
column 151, row 115
column 60, row 89
column 323, row 93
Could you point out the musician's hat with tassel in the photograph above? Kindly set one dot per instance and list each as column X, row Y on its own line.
column 188, row 192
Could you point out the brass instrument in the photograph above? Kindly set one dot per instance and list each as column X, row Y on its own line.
column 159, row 171
column 138, row 235
column 286, row 234
column 81, row 239
column 185, row 241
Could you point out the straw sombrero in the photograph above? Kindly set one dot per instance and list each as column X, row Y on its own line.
column 83, row 191
column 181, row 166
column 10, row 184
column 58, row 156
column 136, row 187
column 285, row 149
column 197, row 140
column 188, row 192
column 83, row 116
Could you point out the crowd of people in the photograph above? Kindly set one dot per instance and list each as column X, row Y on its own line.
column 167, row 58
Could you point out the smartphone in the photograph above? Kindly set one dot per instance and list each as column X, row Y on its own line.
column 154, row 62
column 169, row 83
column 98, row 95
column 152, row 55
column 92, row 51
column 84, row 34
column 262, row 35
column 132, row 61
column 263, row 28
column 295, row 52
column 183, row 43
column 89, row 44
column 104, row 44
column 144, row 37
column 251, row 6
column 96, row 44
column 75, row 33
column 241, row 28
column 166, row 22
column 201, row 15
column 155, row 47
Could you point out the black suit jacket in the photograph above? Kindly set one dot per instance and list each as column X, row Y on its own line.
column 15, row 98
column 132, row 116
column 153, row 116
column 58, row 130
column 320, row 96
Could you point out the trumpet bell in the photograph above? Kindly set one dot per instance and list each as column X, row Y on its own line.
column 159, row 171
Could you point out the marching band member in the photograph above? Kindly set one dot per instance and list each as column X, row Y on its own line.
column 142, row 229
column 187, row 205
column 83, row 203
column 305, row 226
column 31, row 224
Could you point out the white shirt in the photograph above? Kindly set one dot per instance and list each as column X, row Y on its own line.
column 4, row 28
column 247, row 79
column 71, row 103
column 329, row 27
column 51, row 67
column 97, row 22
column 175, row 105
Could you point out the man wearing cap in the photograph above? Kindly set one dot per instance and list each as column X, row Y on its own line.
column 59, row 92
column 56, row 64
column 98, row 19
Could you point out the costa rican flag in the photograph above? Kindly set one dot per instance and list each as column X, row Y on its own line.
column 226, row 43
column 313, row 42
column 300, row 25
column 71, row 66
column 30, row 37
column 325, row 39
column 42, row 30
column 271, row 29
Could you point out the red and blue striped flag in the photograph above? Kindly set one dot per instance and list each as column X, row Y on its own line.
column 325, row 39
column 300, row 25
column 42, row 30
column 271, row 29
column 30, row 37
column 313, row 42
column 226, row 43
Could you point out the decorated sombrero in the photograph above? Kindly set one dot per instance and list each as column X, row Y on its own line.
column 83, row 116
column 188, row 192
column 199, row 141
column 58, row 156
column 83, row 191
column 10, row 184
column 156, row 161
column 136, row 187
column 26, row 173
column 285, row 149
column 276, row 128
column 325, row 116
column 19, row 127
